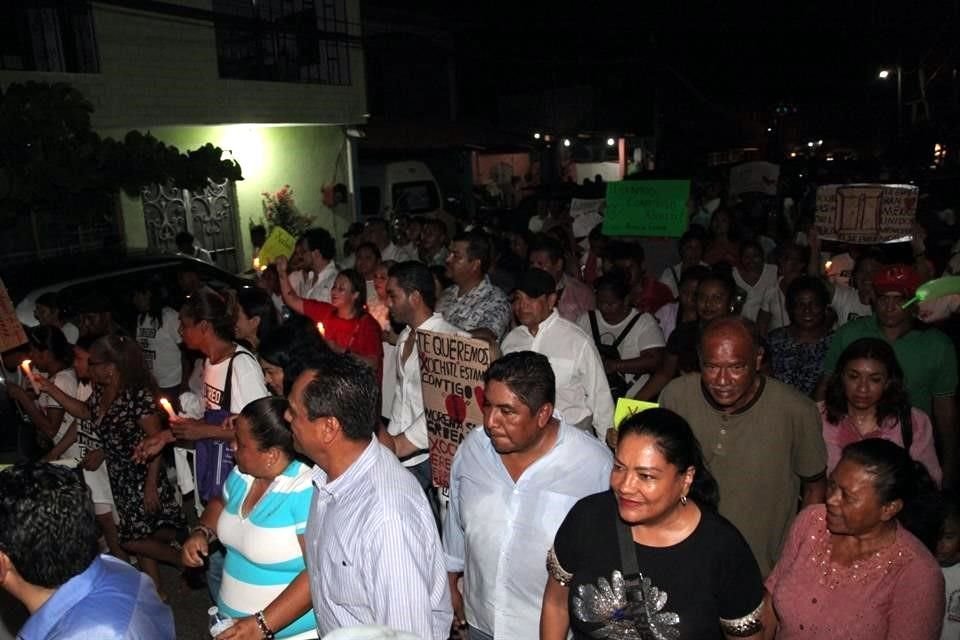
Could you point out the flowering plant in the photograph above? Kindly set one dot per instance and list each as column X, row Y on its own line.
column 279, row 210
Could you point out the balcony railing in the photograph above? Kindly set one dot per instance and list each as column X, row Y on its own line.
column 285, row 40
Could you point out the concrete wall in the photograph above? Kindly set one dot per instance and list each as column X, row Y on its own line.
column 158, row 70
column 305, row 157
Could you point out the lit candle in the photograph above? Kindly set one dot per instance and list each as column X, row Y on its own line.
column 256, row 263
column 263, row 268
column 321, row 329
column 167, row 407
column 25, row 365
column 827, row 265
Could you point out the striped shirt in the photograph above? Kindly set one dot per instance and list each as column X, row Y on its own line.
column 263, row 552
column 374, row 552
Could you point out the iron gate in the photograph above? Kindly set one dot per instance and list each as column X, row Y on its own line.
column 211, row 216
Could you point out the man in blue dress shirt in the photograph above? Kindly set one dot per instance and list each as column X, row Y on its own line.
column 49, row 561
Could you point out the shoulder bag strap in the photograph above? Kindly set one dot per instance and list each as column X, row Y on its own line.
column 226, row 399
column 628, row 554
column 626, row 331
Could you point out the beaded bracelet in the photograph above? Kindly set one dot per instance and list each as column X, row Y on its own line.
column 262, row 623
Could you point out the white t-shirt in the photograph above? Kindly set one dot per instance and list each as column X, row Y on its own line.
column 159, row 341
column 89, row 440
column 246, row 383
column 66, row 381
column 951, row 617
column 775, row 303
column 846, row 302
column 645, row 334
column 755, row 293
column 70, row 332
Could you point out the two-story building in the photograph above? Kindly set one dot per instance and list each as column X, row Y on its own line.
column 275, row 83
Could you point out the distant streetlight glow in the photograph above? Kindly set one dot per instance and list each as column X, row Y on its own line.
column 810, row 144
column 819, row 143
column 536, row 136
column 611, row 142
column 884, row 74
column 566, row 142
column 793, row 154
column 769, row 129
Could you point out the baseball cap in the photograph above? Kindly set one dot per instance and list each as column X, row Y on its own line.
column 897, row 278
column 536, row 283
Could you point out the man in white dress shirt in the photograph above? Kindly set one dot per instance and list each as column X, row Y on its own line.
column 511, row 485
column 377, row 231
column 373, row 551
column 583, row 395
column 411, row 297
column 312, row 269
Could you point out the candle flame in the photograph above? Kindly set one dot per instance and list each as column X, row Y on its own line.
column 828, row 264
column 167, row 406
column 321, row 329
column 256, row 263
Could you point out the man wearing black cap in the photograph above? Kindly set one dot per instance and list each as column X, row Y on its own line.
column 583, row 395
column 927, row 356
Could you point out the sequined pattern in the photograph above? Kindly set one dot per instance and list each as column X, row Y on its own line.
column 745, row 626
column 869, row 569
column 637, row 615
column 559, row 574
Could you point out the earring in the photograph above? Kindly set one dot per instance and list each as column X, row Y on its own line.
column 683, row 501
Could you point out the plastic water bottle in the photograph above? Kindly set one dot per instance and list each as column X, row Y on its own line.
column 219, row 622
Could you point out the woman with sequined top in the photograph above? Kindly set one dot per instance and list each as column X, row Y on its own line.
column 650, row 559
column 856, row 567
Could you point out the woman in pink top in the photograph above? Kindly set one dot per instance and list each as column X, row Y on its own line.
column 865, row 398
column 852, row 568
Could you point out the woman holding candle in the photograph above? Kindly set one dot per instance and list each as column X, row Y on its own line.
column 53, row 356
column 122, row 409
column 347, row 327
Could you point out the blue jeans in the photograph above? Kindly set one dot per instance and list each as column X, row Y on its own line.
column 215, row 571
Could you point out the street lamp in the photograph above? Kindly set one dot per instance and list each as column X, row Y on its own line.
column 883, row 75
column 566, row 142
column 611, row 142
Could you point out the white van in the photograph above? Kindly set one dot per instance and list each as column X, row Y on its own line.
column 397, row 187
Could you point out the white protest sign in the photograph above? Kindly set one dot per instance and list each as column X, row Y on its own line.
column 586, row 214
column 866, row 213
column 754, row 177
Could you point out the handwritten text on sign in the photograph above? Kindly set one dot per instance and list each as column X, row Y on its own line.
column 451, row 378
column 866, row 213
column 653, row 208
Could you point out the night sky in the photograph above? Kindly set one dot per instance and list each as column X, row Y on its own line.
column 727, row 56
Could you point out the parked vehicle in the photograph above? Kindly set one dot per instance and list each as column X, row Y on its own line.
column 397, row 187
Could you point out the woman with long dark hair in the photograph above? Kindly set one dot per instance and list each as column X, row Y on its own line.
column 256, row 316
column 859, row 567
column 123, row 409
column 866, row 398
column 52, row 355
column 343, row 321
column 677, row 569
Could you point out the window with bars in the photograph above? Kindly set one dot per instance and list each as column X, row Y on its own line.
column 306, row 41
column 48, row 35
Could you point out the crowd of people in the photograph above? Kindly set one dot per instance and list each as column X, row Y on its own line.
column 794, row 481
